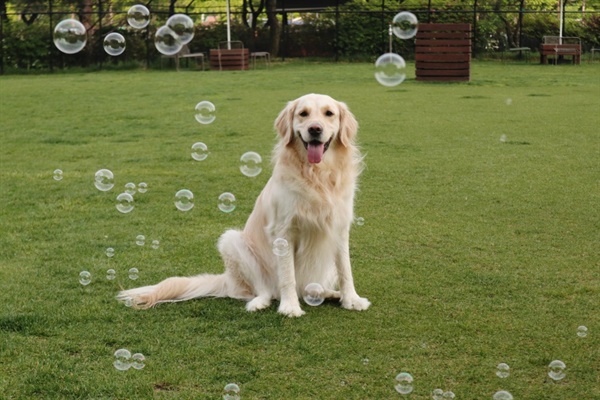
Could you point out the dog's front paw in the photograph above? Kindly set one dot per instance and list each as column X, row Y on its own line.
column 355, row 303
column 290, row 310
column 258, row 303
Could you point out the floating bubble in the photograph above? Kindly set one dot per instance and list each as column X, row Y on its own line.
column 502, row 395
column 130, row 188
column 250, row 164
column 199, row 151
column 508, row 101
column 437, row 394
column 122, row 359
column 405, row 25
column 138, row 361
column 155, row 244
column 365, row 361
column 104, row 180
column 142, row 187
column 503, row 370
column 448, row 395
column 183, row 26
column 205, row 112
column 314, row 294
column 114, row 44
column 110, row 252
column 133, row 273
column 57, row 175
column 503, row 138
column 227, row 202
column 360, row 221
column 556, row 370
column 404, row 382
column 125, row 203
column 140, row 240
column 390, row 69
column 280, row 247
column 184, row 200
column 582, row 331
column 70, row 36
column 138, row 16
column 111, row 274
column 231, row 391
column 128, row 302
column 85, row 278
column 166, row 41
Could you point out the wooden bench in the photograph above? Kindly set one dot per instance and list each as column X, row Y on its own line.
column 556, row 47
column 230, row 56
column 443, row 52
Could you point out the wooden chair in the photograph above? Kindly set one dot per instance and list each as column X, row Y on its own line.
column 186, row 54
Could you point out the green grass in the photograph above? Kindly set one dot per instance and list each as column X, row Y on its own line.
column 473, row 252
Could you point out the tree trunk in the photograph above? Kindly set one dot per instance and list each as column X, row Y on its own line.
column 274, row 26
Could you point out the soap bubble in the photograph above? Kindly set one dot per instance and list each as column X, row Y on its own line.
column 155, row 244
column 582, row 331
column 314, row 294
column 183, row 26
column 70, row 36
column 280, row 247
column 110, row 252
column 508, row 101
column 140, row 240
column 57, row 174
column 114, row 44
column 128, row 302
column 404, row 382
column 365, row 361
column 405, row 25
column 448, row 395
column 199, row 151
column 250, row 164
column 125, row 203
column 556, row 370
column 111, row 274
column 503, row 138
column 390, row 69
column 130, row 188
column 437, row 394
column 138, row 16
column 502, row 395
column 122, row 359
column 133, row 273
column 205, row 112
column 85, row 278
column 142, row 187
column 184, row 200
column 231, row 391
column 360, row 221
column 138, row 361
column 503, row 370
column 227, row 202
column 166, row 41
column 104, row 180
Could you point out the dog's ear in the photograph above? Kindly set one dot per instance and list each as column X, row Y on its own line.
column 348, row 125
column 284, row 122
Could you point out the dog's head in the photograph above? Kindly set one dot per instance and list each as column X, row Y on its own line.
column 317, row 122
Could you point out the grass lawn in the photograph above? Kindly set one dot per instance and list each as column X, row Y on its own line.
column 474, row 250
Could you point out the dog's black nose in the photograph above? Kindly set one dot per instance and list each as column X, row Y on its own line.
column 315, row 130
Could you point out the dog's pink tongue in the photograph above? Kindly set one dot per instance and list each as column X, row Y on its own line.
column 315, row 152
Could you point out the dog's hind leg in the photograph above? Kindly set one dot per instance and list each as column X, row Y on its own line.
column 242, row 265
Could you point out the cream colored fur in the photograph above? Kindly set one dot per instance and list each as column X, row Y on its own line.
column 308, row 203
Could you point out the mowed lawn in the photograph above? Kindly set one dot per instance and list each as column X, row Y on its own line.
column 479, row 245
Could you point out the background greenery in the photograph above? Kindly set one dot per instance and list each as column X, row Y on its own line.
column 474, row 251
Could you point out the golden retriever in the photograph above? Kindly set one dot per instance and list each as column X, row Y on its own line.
column 308, row 201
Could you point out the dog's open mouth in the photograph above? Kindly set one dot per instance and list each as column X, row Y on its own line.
column 315, row 149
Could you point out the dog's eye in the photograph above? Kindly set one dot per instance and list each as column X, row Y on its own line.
column 329, row 113
column 303, row 114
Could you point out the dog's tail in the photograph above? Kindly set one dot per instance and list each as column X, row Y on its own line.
column 184, row 288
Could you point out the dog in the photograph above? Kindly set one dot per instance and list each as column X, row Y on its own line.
column 308, row 201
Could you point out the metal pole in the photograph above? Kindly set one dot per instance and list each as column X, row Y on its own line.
column 50, row 58
column 228, row 28
column 474, row 39
column 560, row 25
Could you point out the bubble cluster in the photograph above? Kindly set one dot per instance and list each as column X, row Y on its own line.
column 125, row 203
column 231, row 391
column 205, row 112
column 251, row 164
column 502, row 395
column 138, row 16
column 133, row 273
column 85, row 278
column 314, row 294
column 114, row 44
column 199, row 151
column 503, row 370
column 556, row 370
column 184, row 200
column 226, row 202
column 405, row 25
column 70, row 36
column 404, row 383
column 582, row 331
column 104, row 180
column 280, row 247
column 390, row 69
